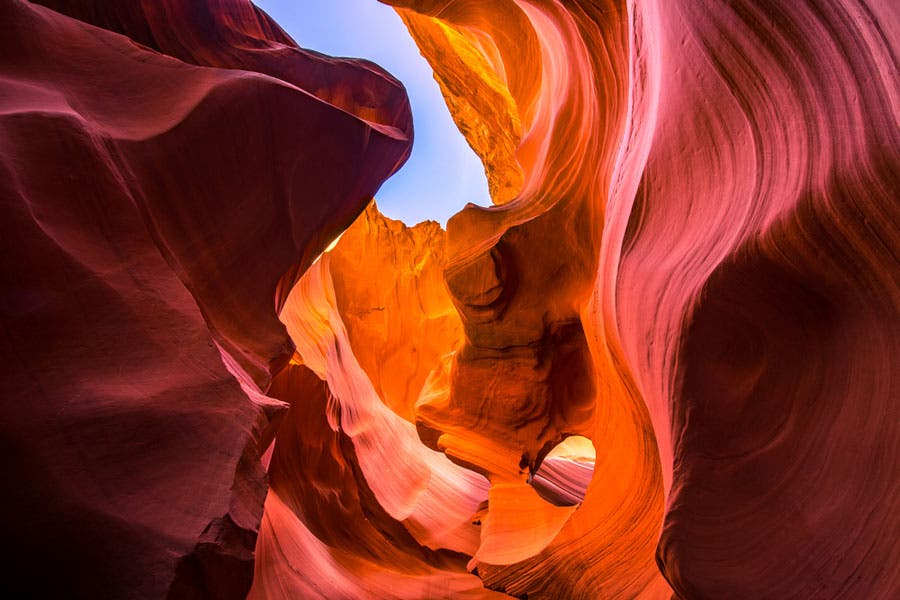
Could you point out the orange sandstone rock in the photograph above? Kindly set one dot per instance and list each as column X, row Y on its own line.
column 390, row 291
column 708, row 201
column 522, row 275
column 662, row 364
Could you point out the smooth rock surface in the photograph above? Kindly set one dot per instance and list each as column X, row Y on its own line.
column 150, row 207
column 662, row 365
column 705, row 236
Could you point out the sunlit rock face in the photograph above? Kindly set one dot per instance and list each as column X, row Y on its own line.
column 383, row 514
column 697, row 271
column 523, row 276
column 663, row 364
column 163, row 165
column 390, row 292
column 691, row 264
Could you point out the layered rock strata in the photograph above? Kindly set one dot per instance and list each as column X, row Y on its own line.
column 662, row 364
column 164, row 164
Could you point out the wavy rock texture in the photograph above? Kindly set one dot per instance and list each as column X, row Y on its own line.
column 718, row 308
column 163, row 166
column 532, row 359
column 663, row 364
column 387, row 516
column 403, row 318
column 784, row 300
column 565, row 473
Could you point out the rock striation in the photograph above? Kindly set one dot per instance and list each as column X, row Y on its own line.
column 718, row 307
column 387, row 515
column 164, row 165
column 663, row 364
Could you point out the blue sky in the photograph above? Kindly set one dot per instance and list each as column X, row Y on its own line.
column 443, row 173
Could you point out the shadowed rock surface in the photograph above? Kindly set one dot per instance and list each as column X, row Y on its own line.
column 150, row 208
column 662, row 365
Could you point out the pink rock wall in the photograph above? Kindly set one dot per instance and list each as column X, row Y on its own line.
column 692, row 261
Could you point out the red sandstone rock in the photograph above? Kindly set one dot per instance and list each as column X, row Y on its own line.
column 691, row 262
column 150, row 208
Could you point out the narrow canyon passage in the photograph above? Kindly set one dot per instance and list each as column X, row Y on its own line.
column 659, row 361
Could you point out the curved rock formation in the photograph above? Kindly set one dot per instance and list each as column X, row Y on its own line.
column 662, row 365
column 783, row 300
column 390, row 293
column 404, row 506
column 719, row 182
column 566, row 471
column 150, row 208
column 532, row 360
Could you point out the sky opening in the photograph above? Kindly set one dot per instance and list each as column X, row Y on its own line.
column 443, row 173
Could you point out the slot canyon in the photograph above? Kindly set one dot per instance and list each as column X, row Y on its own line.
column 663, row 363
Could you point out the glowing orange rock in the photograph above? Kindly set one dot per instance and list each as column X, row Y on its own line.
column 390, row 292
column 528, row 361
column 719, row 183
column 418, row 504
column 662, row 365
